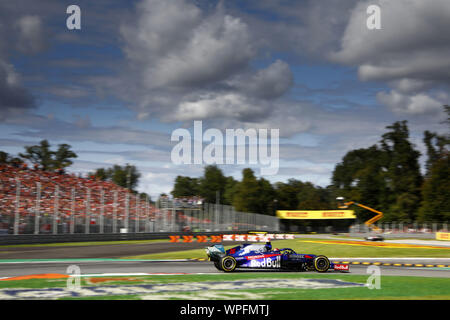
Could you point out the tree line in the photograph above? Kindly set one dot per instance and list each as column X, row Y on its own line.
column 385, row 176
column 252, row 194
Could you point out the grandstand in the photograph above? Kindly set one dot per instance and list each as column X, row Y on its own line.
column 67, row 201
column 33, row 201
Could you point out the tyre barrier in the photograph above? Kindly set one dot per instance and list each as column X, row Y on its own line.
column 202, row 238
column 409, row 265
column 231, row 237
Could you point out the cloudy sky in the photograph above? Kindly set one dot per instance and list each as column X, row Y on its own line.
column 138, row 70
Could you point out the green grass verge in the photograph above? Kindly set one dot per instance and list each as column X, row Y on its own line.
column 392, row 287
column 83, row 244
column 330, row 250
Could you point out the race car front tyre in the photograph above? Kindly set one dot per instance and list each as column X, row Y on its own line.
column 321, row 264
column 217, row 265
column 228, row 263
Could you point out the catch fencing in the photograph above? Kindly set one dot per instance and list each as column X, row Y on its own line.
column 35, row 208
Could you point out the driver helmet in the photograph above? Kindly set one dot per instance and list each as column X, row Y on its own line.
column 268, row 246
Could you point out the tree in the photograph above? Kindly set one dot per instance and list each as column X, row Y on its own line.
column 435, row 190
column 125, row 176
column 267, row 196
column 47, row 159
column 360, row 177
column 403, row 172
column 40, row 155
column 247, row 195
column 5, row 158
column 436, row 148
column 213, row 181
column 311, row 197
column 185, row 187
column 230, row 190
column 287, row 194
column 63, row 156
column 102, row 174
column 385, row 177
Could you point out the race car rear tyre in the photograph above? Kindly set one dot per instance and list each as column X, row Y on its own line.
column 228, row 263
column 321, row 264
column 217, row 265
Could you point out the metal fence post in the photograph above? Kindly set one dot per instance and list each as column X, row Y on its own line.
column 204, row 218
column 136, row 214
column 102, row 210
column 165, row 212
column 72, row 211
column 233, row 216
column 114, row 222
column 217, row 217
column 147, row 215
column 174, row 214
column 16, row 212
column 56, row 209
column 37, row 210
column 157, row 216
column 127, row 210
column 87, row 220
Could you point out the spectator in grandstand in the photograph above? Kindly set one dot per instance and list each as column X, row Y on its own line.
column 65, row 194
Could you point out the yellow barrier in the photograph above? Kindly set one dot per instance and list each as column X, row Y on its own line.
column 443, row 236
column 316, row 214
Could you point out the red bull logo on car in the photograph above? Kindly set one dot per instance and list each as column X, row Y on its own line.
column 272, row 262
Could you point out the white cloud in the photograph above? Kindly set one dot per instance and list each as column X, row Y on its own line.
column 269, row 83
column 228, row 105
column 196, row 65
column 30, row 38
column 411, row 52
column 411, row 28
column 175, row 45
column 411, row 104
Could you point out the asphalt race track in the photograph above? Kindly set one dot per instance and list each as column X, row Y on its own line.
column 133, row 267
column 71, row 254
column 96, row 251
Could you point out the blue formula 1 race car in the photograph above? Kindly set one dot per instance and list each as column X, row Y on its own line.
column 262, row 256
